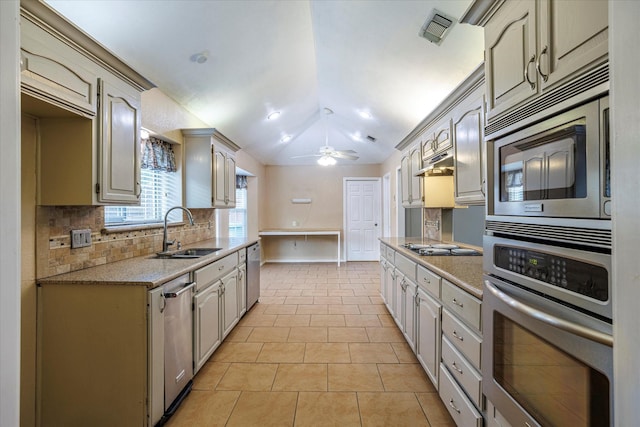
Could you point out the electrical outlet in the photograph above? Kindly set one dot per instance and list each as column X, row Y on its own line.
column 80, row 238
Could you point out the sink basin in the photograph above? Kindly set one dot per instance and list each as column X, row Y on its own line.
column 188, row 253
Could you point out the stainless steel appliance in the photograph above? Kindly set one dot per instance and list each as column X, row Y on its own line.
column 559, row 167
column 253, row 274
column 441, row 249
column 547, row 356
column 178, row 345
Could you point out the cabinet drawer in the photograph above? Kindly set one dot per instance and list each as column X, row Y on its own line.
column 406, row 266
column 462, row 371
column 459, row 406
column 208, row 274
column 461, row 303
column 429, row 281
column 390, row 254
column 461, row 337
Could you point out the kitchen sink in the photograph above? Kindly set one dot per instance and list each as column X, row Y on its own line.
column 188, row 253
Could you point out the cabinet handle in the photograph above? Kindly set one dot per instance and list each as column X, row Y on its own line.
column 426, row 280
column 526, row 72
column 455, row 367
column 138, row 189
column 455, row 334
column 544, row 76
column 482, row 187
column 458, row 303
column 453, row 406
column 221, row 268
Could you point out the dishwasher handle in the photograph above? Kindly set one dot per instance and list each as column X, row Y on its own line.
column 187, row 287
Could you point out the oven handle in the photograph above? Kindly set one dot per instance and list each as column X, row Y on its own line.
column 554, row 321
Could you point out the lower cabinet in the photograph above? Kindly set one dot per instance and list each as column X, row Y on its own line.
column 206, row 324
column 409, row 292
column 242, row 289
column 452, row 395
column 229, row 287
column 428, row 334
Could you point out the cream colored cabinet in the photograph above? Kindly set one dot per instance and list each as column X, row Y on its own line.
column 428, row 334
column 229, row 288
column 206, row 324
column 384, row 266
column 210, row 169
column 533, row 45
column 410, row 163
column 89, row 115
column 439, row 140
column 242, row 288
column 409, row 292
column 119, row 144
column 469, row 157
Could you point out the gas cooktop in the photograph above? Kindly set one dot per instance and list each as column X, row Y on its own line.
column 441, row 249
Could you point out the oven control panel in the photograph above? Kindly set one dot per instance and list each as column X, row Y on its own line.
column 573, row 275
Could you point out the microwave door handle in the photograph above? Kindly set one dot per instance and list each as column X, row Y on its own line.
column 547, row 318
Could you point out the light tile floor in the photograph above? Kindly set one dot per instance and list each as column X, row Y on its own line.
column 319, row 349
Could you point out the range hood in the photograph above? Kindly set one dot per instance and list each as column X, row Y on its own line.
column 438, row 165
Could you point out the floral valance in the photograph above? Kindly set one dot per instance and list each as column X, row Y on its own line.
column 241, row 182
column 158, row 155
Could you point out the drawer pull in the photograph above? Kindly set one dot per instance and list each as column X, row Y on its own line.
column 426, row 280
column 455, row 367
column 455, row 334
column 458, row 303
column 221, row 268
column 453, row 405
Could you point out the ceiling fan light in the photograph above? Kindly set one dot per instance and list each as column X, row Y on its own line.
column 326, row 161
column 273, row 115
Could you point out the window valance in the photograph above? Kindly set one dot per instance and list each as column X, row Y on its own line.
column 158, row 155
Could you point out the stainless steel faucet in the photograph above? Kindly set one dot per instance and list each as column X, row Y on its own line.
column 165, row 242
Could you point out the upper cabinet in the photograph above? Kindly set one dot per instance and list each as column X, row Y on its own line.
column 469, row 149
column 533, row 46
column 410, row 164
column 88, row 107
column 210, row 169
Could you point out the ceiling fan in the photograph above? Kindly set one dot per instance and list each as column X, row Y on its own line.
column 327, row 154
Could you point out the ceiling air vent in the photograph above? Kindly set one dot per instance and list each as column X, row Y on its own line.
column 371, row 138
column 436, row 27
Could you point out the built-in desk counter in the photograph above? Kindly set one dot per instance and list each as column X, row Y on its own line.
column 304, row 232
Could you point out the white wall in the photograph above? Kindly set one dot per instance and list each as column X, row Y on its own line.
column 9, row 214
column 624, row 55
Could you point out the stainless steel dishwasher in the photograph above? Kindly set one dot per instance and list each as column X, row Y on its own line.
column 253, row 274
column 178, row 344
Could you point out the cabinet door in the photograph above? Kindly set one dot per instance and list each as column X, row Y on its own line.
column 398, row 299
column 571, row 38
column 442, row 138
column 415, row 160
column 390, row 288
column 510, row 55
column 409, row 291
column 428, row 334
column 206, row 323
column 230, row 301
column 405, row 179
column 468, row 124
column 230, row 167
column 119, row 145
column 242, row 289
column 219, row 180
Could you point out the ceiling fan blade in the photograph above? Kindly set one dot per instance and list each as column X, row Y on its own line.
column 347, row 152
column 306, row 156
column 344, row 155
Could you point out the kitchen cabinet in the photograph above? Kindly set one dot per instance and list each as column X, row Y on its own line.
column 210, row 169
column 99, row 350
column 242, row 282
column 410, row 164
column 384, row 266
column 88, row 106
column 229, row 288
column 438, row 141
column 428, row 315
column 409, row 292
column 206, row 324
column 469, row 150
column 532, row 46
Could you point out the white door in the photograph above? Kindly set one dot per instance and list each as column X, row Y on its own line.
column 362, row 209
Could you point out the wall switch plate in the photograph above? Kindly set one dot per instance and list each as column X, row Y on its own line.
column 80, row 238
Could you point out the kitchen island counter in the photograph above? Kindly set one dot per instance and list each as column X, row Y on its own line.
column 463, row 271
column 149, row 270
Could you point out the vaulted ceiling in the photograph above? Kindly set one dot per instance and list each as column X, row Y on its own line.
column 364, row 60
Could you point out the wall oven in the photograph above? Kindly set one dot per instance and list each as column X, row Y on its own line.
column 547, row 356
column 558, row 167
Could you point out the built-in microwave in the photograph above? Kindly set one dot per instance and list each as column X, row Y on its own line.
column 559, row 167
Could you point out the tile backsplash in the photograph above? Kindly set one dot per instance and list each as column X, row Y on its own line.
column 53, row 231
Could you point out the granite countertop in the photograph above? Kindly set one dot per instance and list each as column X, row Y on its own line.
column 148, row 270
column 463, row 271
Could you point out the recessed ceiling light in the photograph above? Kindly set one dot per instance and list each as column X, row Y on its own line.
column 365, row 114
column 273, row 115
column 285, row 138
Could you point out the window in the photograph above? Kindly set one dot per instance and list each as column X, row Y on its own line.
column 161, row 190
column 238, row 216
